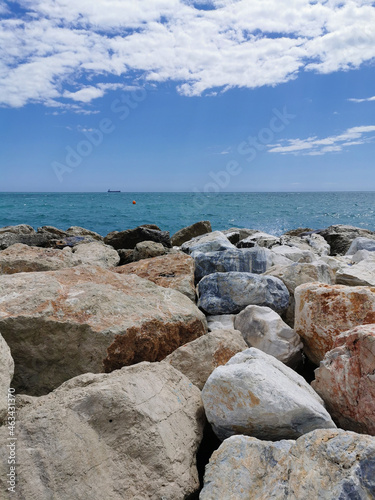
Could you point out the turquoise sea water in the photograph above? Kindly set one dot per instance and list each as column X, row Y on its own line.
column 274, row 213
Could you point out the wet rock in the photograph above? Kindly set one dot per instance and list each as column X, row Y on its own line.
column 261, row 327
column 6, row 375
column 345, row 380
column 228, row 293
column 340, row 237
column 198, row 359
column 147, row 250
column 59, row 324
column 174, row 270
column 257, row 395
column 131, row 434
column 130, row 237
column 187, row 233
column 212, row 242
column 324, row 465
column 325, row 311
column 251, row 260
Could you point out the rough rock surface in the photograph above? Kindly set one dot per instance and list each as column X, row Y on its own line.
column 212, row 242
column 187, row 233
column 324, row 465
column 130, row 237
column 228, row 293
column 81, row 231
column 147, row 250
column 312, row 242
column 324, row 311
column 221, row 322
column 6, row 375
column 361, row 244
column 361, row 274
column 126, row 256
column 261, row 327
column 257, row 395
column 345, row 380
column 295, row 254
column 259, row 239
column 297, row 273
column 59, row 324
column 340, row 237
column 198, row 359
column 19, row 229
column 131, row 434
column 96, row 254
column 26, row 235
column 249, row 260
column 174, row 270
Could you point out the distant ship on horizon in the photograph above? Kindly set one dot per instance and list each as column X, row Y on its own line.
column 113, row 191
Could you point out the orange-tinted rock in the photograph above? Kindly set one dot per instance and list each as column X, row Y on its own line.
column 60, row 324
column 345, row 380
column 325, row 311
column 173, row 270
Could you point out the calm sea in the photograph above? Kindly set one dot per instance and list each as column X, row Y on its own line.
column 274, row 213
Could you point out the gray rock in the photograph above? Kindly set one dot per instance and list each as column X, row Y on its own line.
column 19, row 229
column 250, row 260
column 261, row 327
column 6, row 375
column 340, row 237
column 96, row 254
column 40, row 239
column 324, row 465
column 236, row 234
column 130, row 237
column 199, row 358
column 126, row 256
column 259, row 239
column 187, row 233
column 361, row 274
column 221, row 322
column 60, row 324
column 228, row 293
column 295, row 254
column 311, row 242
column 257, row 395
column 148, row 249
column 131, row 434
column 361, row 244
column 81, row 231
column 212, row 242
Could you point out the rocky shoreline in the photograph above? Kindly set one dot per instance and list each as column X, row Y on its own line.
column 218, row 365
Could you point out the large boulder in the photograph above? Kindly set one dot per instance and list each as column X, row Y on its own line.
column 131, row 434
column 130, row 237
column 174, row 270
column 345, row 380
column 148, row 250
column 361, row 274
column 6, row 375
column 361, row 244
column 324, row 464
column 59, row 324
column 311, row 242
column 340, row 237
column 199, row 358
column 294, row 253
column 297, row 273
column 324, row 311
column 250, row 260
column 187, row 233
column 212, row 242
column 259, row 239
column 257, row 395
column 25, row 234
column 20, row 258
column 81, row 231
column 228, row 293
column 261, row 327
column 19, row 229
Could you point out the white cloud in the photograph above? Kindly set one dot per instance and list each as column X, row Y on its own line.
column 366, row 99
column 312, row 146
column 236, row 43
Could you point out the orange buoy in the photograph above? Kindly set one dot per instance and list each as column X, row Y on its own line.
column 134, row 202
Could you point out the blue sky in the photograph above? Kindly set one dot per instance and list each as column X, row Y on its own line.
column 172, row 95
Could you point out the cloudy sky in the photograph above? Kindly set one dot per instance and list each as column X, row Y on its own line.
column 177, row 95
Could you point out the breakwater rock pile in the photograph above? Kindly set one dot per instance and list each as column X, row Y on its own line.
column 218, row 365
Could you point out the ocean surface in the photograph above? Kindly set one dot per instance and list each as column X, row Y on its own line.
column 273, row 213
